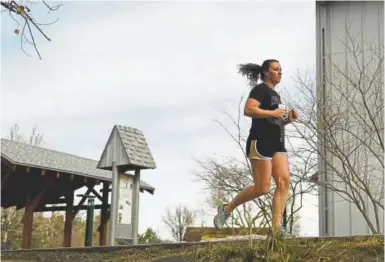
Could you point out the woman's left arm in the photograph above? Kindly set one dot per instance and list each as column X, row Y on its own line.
column 293, row 116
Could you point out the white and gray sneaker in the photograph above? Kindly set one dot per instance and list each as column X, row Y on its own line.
column 281, row 232
column 221, row 217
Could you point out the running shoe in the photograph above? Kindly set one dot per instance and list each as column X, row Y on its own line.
column 221, row 217
column 281, row 232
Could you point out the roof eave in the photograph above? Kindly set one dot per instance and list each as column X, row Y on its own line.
column 52, row 169
column 150, row 190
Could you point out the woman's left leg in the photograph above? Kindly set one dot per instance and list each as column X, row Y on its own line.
column 281, row 176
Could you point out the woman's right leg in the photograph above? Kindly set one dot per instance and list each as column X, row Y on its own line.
column 261, row 171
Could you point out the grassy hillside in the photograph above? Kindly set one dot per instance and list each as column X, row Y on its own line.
column 365, row 249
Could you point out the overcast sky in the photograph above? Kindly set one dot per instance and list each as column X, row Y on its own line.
column 166, row 68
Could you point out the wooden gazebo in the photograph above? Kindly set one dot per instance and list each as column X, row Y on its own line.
column 34, row 177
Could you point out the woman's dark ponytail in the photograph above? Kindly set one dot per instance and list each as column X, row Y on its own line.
column 251, row 71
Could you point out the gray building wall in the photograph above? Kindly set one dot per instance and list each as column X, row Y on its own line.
column 337, row 216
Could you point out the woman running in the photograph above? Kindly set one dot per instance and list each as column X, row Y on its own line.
column 265, row 146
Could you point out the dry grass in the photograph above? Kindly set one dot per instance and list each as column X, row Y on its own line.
column 366, row 249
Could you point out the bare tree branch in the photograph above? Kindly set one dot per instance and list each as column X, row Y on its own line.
column 23, row 13
column 178, row 220
column 35, row 139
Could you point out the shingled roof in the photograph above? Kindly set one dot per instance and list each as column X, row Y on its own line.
column 131, row 147
column 39, row 157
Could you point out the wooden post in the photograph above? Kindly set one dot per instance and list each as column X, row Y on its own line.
column 89, row 221
column 28, row 220
column 30, row 205
column 104, row 216
column 68, row 219
column 135, row 206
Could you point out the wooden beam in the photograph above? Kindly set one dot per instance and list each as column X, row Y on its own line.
column 108, row 186
column 62, row 188
column 63, row 208
column 84, row 198
column 4, row 179
column 43, row 172
column 57, row 174
column 47, row 184
column 68, row 219
column 28, row 169
column 52, row 202
column 28, row 221
column 56, row 201
column 105, row 220
column 96, row 194
column 103, row 216
column 35, row 201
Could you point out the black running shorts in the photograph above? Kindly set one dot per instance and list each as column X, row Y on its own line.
column 263, row 149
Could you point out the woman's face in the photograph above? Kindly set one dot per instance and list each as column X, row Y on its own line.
column 274, row 73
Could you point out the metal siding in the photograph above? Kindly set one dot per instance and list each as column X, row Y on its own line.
column 373, row 35
column 320, row 14
column 355, row 22
column 336, row 54
column 364, row 20
column 381, row 43
column 327, row 71
column 368, row 27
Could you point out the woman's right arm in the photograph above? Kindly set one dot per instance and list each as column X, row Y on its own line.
column 252, row 109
